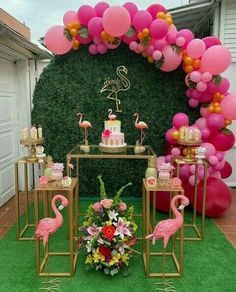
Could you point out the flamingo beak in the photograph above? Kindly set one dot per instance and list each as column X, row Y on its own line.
column 61, row 207
column 181, row 207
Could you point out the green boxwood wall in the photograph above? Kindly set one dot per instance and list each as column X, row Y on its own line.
column 72, row 83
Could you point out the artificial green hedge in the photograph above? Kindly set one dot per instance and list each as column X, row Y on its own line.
column 72, row 84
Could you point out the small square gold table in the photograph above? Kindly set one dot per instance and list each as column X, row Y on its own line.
column 72, row 195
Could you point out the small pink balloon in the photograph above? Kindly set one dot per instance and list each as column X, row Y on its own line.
column 180, row 41
column 158, row 28
column 169, row 138
column 97, row 40
column 206, row 76
column 100, row 8
column 210, row 149
column 93, row 49
column 157, row 55
column 191, row 180
column 85, row 13
column 155, row 8
column 142, row 19
column 116, row 21
column 193, row 102
column 102, row 48
column 168, row 158
column 213, row 159
column 189, row 92
column 196, row 48
column 56, row 41
column 211, row 41
column 204, row 112
column 175, row 151
column 196, row 94
column 84, row 41
column 224, row 86
column 201, row 86
column 187, row 35
column 228, row 106
column 216, row 174
column 192, row 169
column 201, row 123
column 69, row 17
column 205, row 133
column 220, row 155
column 133, row 46
column 150, row 49
column 95, row 26
column 160, row 44
column 195, row 76
column 172, row 59
column 215, row 121
column 179, row 120
column 219, row 165
column 132, row 8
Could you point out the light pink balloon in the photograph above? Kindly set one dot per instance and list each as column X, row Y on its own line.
column 193, row 102
column 204, row 112
column 100, row 8
column 85, row 13
column 149, row 50
column 187, row 35
column 205, row 133
column 210, row 149
column 213, row 159
column 201, row 123
column 201, row 86
column 116, row 21
column 95, row 26
column 102, row 48
column 173, row 29
column 206, row 76
column 93, row 49
column 155, row 8
column 191, row 180
column 195, row 76
column 215, row 60
column 132, row 8
column 172, row 59
column 175, row 151
column 215, row 121
column 228, row 106
column 158, row 28
column 192, row 169
column 142, row 19
column 56, row 41
column 196, row 48
column 69, row 17
column 180, row 41
column 133, row 46
column 157, row 55
column 179, row 120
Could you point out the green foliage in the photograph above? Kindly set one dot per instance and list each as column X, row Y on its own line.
column 72, row 83
column 102, row 188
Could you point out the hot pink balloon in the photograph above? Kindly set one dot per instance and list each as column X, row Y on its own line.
column 160, row 44
column 215, row 121
column 95, row 26
column 187, row 35
column 93, row 49
column 172, row 59
column 188, row 92
column 195, row 76
column 205, row 97
column 213, row 160
column 180, row 120
column 211, row 41
column 100, row 8
column 169, row 158
column 149, row 50
column 132, row 8
column 56, row 42
column 193, row 102
column 142, row 19
column 226, row 171
column 184, row 172
column 210, row 149
column 201, row 123
column 171, row 38
column 85, row 13
column 224, row 86
column 155, row 8
column 228, row 106
column 196, row 48
column 169, row 138
column 196, row 94
column 158, row 28
column 69, row 17
column 116, row 21
column 205, row 133
column 102, row 48
column 84, row 41
column 220, row 155
column 215, row 60
column 175, row 151
column 204, row 112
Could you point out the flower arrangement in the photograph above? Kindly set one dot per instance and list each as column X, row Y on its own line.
column 108, row 233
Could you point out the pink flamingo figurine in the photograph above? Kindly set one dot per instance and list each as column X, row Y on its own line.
column 85, row 125
column 111, row 116
column 140, row 126
column 70, row 166
column 48, row 226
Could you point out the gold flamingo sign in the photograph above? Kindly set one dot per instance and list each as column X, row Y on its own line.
column 114, row 86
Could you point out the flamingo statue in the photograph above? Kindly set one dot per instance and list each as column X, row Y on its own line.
column 85, row 125
column 70, row 166
column 140, row 126
column 111, row 116
column 48, row 226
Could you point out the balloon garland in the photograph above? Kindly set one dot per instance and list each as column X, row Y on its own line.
column 152, row 34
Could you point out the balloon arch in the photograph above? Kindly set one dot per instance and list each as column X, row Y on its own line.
column 152, row 34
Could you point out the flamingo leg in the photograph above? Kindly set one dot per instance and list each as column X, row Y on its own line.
column 142, row 137
column 117, row 104
column 85, row 135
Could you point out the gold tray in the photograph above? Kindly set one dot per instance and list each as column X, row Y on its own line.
column 112, row 149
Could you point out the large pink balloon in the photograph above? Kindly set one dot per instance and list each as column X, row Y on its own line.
column 180, row 120
column 215, row 121
column 226, row 171
column 155, row 8
column 210, row 149
column 158, row 28
column 132, row 8
column 215, row 60
column 228, row 106
column 100, row 8
column 56, row 42
column 116, row 21
column 172, row 60
column 95, row 26
column 69, row 17
column 85, row 13
column 196, row 48
column 142, row 19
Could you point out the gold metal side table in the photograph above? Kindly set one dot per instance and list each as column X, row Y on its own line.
column 31, row 172
column 72, row 210
column 175, row 252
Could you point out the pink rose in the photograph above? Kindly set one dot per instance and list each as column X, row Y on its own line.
column 122, row 206
column 97, row 207
column 106, row 203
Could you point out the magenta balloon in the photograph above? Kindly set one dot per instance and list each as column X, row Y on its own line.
column 93, row 49
column 85, row 41
column 196, row 94
column 215, row 60
column 187, row 35
column 169, row 138
column 180, row 120
column 158, row 28
column 128, row 40
column 204, row 112
column 171, row 38
column 172, row 59
column 195, row 76
column 205, row 133
column 132, row 8
column 116, row 21
column 227, row 170
column 184, row 172
column 205, row 97
column 223, row 140
column 95, row 26
column 196, row 48
column 193, row 102
column 69, row 17
column 100, row 8
column 219, row 165
column 228, row 107
column 215, row 121
column 211, row 41
column 102, row 48
column 188, row 92
column 224, row 86
column 155, row 8
column 149, row 50
column 85, row 13
column 56, row 41
column 160, row 44
column 142, row 19
column 210, row 149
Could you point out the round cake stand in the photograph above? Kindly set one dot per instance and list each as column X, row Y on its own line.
column 115, row 149
column 189, row 146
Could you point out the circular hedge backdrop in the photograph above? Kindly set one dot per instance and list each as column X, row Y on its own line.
column 72, row 84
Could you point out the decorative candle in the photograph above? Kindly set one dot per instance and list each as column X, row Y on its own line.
column 24, row 134
column 186, row 134
column 181, row 131
column 40, row 132
column 33, row 133
column 190, row 134
column 197, row 135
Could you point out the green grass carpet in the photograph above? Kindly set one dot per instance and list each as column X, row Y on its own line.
column 209, row 266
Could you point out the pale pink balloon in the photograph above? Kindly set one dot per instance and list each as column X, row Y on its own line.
column 172, row 59
column 215, row 121
column 193, row 102
column 155, row 8
column 187, row 35
column 132, row 8
column 102, row 48
column 100, row 8
column 180, row 41
column 204, row 112
column 95, row 26
column 213, row 159
column 175, row 151
column 228, row 106
column 211, row 41
column 69, row 17
column 192, row 169
column 201, row 86
column 160, row 44
column 196, row 48
column 195, row 76
column 97, row 40
column 158, row 28
column 191, row 180
column 201, row 123
column 179, row 120
column 93, row 49
column 142, row 19
column 85, row 13
column 133, row 46
column 116, row 21
column 128, row 40
column 56, row 41
column 210, row 149
column 157, row 55
column 215, row 60
column 206, row 76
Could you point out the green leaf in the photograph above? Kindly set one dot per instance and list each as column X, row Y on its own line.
column 83, row 32
column 206, row 104
column 176, row 49
column 131, row 32
column 160, row 63
column 192, row 84
column 102, row 188
column 217, row 79
column 67, row 34
column 226, row 131
column 145, row 42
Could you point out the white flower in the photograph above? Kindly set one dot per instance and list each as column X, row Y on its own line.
column 88, row 246
column 112, row 215
column 122, row 228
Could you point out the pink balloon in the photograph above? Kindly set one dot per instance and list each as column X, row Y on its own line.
column 201, row 123
column 206, row 76
column 224, row 86
column 95, row 26
column 160, row 44
column 97, row 40
column 191, row 180
column 160, row 160
column 93, row 49
column 189, row 92
column 215, row 121
column 205, row 133
column 213, row 159
column 155, row 8
column 196, row 94
column 158, row 28
column 220, row 155
column 157, row 55
column 84, row 41
column 226, row 171
column 133, row 46
column 216, row 174
column 180, row 41
column 196, row 48
column 211, row 41
column 201, row 86
column 56, row 42
column 102, row 48
column 171, row 38
column 184, row 172
column 175, row 151
column 193, row 102
column 187, row 35
column 116, row 21
column 180, row 120
column 219, row 165
column 169, row 158
column 100, row 8
column 192, row 169
column 169, row 138
column 132, row 8
column 142, row 19
column 204, row 112
column 228, row 106
column 172, row 59
column 85, row 13
column 210, row 149
column 112, row 46
column 195, row 76
column 149, row 50
column 69, row 17
column 215, row 60
column 128, row 40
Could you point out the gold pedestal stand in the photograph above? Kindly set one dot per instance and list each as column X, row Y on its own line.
column 176, row 250
column 31, row 144
column 190, row 145
column 42, row 267
column 195, row 224
column 27, row 166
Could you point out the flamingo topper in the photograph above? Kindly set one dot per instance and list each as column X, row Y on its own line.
column 84, row 125
column 111, row 116
column 48, row 226
column 140, row 126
